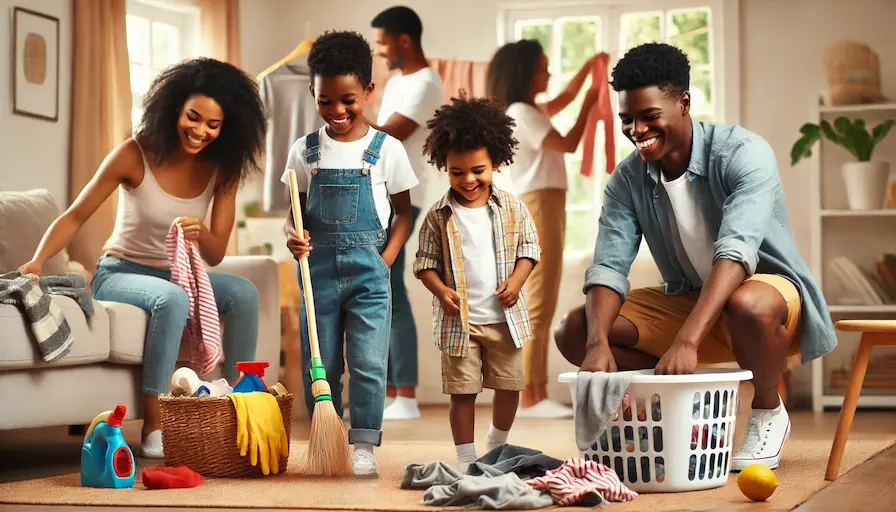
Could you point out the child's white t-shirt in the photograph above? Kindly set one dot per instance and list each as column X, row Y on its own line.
column 391, row 175
column 534, row 166
column 477, row 244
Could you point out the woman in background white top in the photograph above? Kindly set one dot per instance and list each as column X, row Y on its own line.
column 201, row 133
column 517, row 73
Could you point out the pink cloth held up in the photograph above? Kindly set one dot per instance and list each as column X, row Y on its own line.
column 602, row 111
column 203, row 329
column 578, row 478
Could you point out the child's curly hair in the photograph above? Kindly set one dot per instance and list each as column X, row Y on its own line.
column 236, row 150
column 337, row 53
column 467, row 125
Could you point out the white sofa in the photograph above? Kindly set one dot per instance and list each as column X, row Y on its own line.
column 103, row 368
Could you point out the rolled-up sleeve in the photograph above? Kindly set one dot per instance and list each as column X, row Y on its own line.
column 618, row 238
column 429, row 253
column 751, row 175
column 527, row 246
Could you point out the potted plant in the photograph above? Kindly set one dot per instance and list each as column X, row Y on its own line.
column 865, row 179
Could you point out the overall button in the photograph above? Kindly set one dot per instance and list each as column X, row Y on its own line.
column 379, row 235
column 314, row 172
column 364, row 172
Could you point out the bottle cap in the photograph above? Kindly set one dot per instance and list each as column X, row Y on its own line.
column 117, row 416
column 253, row 367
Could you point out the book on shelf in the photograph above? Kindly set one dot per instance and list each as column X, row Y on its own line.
column 857, row 287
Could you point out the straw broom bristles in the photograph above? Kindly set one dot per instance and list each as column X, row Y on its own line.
column 328, row 451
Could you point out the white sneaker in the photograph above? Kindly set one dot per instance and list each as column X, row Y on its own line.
column 388, row 401
column 545, row 409
column 764, row 437
column 152, row 445
column 363, row 463
column 403, row 408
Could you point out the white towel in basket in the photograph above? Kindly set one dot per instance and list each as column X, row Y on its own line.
column 598, row 395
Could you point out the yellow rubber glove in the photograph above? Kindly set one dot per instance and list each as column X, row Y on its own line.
column 264, row 436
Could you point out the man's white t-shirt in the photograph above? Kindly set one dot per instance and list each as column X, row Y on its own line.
column 692, row 230
column 477, row 243
column 392, row 173
column 534, row 167
column 415, row 96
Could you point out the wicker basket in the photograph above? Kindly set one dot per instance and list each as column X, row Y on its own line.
column 853, row 74
column 200, row 433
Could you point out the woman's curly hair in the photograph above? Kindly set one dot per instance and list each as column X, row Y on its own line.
column 236, row 150
column 467, row 125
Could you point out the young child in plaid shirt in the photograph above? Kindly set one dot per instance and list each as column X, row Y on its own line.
column 478, row 245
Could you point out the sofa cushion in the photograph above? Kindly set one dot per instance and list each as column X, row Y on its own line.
column 18, row 350
column 127, row 329
column 24, row 218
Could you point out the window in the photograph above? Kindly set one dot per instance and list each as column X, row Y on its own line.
column 570, row 35
column 160, row 33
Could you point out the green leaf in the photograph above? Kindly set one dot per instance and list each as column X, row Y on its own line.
column 880, row 131
column 862, row 140
column 847, row 137
column 802, row 148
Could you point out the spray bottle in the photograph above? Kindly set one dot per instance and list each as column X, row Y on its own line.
column 253, row 371
column 106, row 459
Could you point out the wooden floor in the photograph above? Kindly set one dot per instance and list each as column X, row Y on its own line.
column 871, row 487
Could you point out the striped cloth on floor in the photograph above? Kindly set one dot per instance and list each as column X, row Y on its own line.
column 203, row 329
column 48, row 323
column 580, row 481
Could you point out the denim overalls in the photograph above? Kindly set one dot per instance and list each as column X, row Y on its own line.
column 351, row 283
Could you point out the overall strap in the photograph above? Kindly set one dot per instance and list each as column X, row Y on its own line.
column 312, row 147
column 372, row 153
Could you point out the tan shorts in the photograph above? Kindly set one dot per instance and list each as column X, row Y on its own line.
column 492, row 361
column 659, row 317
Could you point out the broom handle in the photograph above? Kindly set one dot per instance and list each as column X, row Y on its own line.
column 303, row 261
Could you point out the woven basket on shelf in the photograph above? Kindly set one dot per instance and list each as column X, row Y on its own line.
column 853, row 73
column 200, row 433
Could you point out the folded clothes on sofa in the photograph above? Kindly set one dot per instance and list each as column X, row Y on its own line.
column 48, row 323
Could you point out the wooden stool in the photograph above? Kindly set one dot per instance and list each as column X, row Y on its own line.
column 874, row 333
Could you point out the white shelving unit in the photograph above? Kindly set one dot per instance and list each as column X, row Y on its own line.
column 837, row 230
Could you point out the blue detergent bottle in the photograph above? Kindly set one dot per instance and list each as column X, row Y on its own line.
column 106, row 459
column 253, row 371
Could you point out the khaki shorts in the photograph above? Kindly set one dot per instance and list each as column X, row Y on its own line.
column 492, row 361
column 659, row 317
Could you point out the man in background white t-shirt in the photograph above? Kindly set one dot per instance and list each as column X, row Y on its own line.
column 409, row 100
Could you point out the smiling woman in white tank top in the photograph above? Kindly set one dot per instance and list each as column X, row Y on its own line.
column 202, row 130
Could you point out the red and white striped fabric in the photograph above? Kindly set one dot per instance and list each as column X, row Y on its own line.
column 577, row 478
column 203, row 329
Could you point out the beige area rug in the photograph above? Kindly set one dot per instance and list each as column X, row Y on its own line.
column 800, row 476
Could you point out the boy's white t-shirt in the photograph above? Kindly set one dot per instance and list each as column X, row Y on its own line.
column 691, row 225
column 534, row 167
column 392, row 173
column 477, row 244
column 415, row 96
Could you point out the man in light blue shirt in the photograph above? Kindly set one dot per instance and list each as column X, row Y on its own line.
column 708, row 199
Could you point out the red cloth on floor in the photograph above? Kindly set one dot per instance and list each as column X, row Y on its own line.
column 180, row 477
column 602, row 111
column 577, row 479
column 203, row 330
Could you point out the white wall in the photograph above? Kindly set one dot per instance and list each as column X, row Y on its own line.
column 35, row 153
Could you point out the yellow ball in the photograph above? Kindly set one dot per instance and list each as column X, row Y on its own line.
column 757, row 482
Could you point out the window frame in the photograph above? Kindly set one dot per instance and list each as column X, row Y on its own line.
column 724, row 51
column 182, row 14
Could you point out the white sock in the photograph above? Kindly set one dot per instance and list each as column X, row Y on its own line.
column 466, row 454
column 495, row 438
column 364, row 447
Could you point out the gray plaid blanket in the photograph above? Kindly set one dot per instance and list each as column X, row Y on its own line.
column 48, row 322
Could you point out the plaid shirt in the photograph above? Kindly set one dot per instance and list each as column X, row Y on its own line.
column 440, row 250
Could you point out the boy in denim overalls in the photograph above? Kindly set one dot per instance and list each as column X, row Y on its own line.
column 351, row 179
column 478, row 245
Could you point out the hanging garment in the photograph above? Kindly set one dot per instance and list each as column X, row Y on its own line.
column 291, row 114
column 203, row 329
column 602, row 111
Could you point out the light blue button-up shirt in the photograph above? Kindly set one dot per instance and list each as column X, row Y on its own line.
column 734, row 175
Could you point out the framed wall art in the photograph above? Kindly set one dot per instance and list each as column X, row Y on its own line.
column 35, row 73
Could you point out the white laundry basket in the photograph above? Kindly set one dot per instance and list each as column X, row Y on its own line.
column 676, row 433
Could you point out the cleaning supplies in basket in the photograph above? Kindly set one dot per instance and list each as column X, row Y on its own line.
column 260, row 431
column 106, row 459
column 185, row 382
column 252, row 379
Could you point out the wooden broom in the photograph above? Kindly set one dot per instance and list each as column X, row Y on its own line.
column 328, row 451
